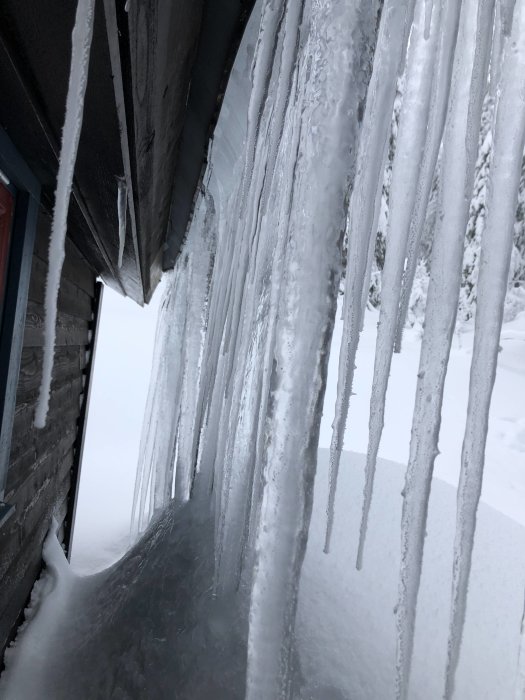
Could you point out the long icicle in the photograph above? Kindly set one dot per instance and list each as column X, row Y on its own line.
column 328, row 100
column 370, row 166
column 443, row 291
column 440, row 94
column 405, row 174
column 81, row 46
column 497, row 238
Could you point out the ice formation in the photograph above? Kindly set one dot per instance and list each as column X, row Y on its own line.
column 122, row 209
column 244, row 332
column 81, row 45
column 239, row 377
column 509, row 142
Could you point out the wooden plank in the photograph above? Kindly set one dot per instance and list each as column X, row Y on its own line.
column 71, row 299
column 67, row 394
column 163, row 42
column 70, row 330
column 68, row 365
column 41, row 448
column 26, row 567
column 15, row 539
column 12, row 615
column 76, row 268
column 13, row 319
column 31, row 504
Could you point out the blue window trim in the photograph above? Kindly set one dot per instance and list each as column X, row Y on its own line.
column 27, row 191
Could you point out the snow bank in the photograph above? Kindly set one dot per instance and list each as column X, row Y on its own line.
column 150, row 627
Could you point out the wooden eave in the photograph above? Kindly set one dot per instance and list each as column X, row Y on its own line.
column 157, row 75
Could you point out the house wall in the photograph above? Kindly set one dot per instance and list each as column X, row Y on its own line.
column 42, row 462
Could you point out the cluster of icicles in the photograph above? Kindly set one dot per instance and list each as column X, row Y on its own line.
column 246, row 323
column 245, row 326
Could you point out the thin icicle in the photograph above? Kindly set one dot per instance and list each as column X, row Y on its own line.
column 445, row 278
column 122, row 208
column 440, row 92
column 405, row 178
column 261, row 71
column 363, row 214
column 519, row 683
column 497, row 237
column 200, row 267
column 507, row 14
column 429, row 9
column 81, row 45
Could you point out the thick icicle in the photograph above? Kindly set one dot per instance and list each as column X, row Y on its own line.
column 445, row 278
column 405, row 178
column 497, row 237
column 122, row 208
column 441, row 81
column 81, row 45
column 364, row 206
column 246, row 390
column 328, row 100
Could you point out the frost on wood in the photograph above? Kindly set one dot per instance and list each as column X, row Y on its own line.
column 81, row 44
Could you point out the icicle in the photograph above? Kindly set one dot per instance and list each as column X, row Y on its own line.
column 170, row 415
column 440, row 92
column 122, row 208
column 328, row 101
column 81, row 45
column 363, row 213
column 445, row 278
column 509, row 142
column 200, row 268
column 262, row 69
column 405, row 178
column 239, row 448
column 519, row 684
column 507, row 13
column 429, row 8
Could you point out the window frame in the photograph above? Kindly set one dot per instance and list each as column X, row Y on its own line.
column 23, row 231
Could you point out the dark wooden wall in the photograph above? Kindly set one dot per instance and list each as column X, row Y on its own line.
column 39, row 479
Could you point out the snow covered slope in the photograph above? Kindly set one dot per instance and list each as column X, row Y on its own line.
column 150, row 628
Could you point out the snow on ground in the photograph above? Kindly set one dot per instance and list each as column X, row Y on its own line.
column 149, row 626
column 346, row 621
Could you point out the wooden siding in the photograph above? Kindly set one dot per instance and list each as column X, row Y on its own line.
column 41, row 461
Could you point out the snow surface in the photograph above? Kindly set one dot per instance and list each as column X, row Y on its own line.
column 123, row 633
